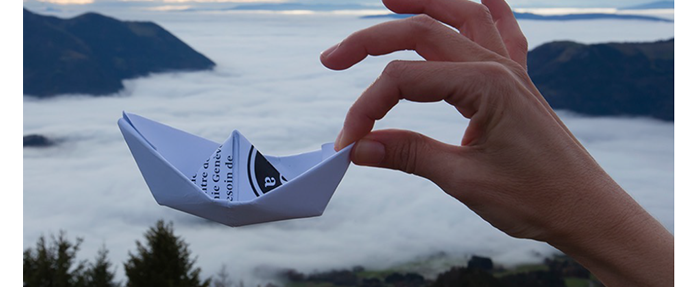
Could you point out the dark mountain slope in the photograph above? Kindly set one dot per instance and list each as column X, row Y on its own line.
column 92, row 54
column 628, row 79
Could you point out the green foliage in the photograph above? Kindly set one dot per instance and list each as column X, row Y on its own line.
column 462, row 276
column 99, row 274
column 223, row 279
column 162, row 261
column 523, row 268
column 51, row 264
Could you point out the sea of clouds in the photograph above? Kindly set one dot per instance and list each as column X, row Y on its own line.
column 270, row 85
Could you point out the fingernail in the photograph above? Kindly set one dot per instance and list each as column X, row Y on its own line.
column 338, row 141
column 329, row 51
column 368, row 152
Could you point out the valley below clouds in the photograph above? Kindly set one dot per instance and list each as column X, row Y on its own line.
column 269, row 84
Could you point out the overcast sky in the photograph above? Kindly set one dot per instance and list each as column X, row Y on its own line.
column 514, row 3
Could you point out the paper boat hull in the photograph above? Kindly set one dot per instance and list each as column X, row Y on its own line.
column 164, row 155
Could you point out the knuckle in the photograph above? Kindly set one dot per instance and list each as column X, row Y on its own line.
column 496, row 70
column 354, row 112
column 517, row 70
column 358, row 37
column 359, row 114
column 354, row 36
column 395, row 69
column 501, row 83
column 522, row 42
column 422, row 23
column 519, row 43
column 482, row 13
column 405, row 156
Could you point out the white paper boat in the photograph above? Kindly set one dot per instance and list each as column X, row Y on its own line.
column 231, row 183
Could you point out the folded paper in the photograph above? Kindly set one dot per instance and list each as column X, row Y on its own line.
column 231, row 183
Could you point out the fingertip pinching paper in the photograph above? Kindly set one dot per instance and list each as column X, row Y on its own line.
column 231, row 183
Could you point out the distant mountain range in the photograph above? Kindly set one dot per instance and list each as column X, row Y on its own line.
column 575, row 16
column 588, row 16
column 653, row 5
column 302, row 6
column 619, row 79
column 93, row 54
column 562, row 17
column 329, row 6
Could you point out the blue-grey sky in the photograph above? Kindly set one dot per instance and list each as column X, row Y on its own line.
column 514, row 3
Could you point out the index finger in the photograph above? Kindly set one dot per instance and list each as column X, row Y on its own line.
column 428, row 37
column 473, row 20
column 426, row 81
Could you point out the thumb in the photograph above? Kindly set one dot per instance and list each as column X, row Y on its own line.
column 409, row 152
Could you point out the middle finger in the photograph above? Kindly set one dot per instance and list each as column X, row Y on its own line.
column 473, row 20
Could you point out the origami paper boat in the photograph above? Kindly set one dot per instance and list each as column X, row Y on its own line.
column 231, row 183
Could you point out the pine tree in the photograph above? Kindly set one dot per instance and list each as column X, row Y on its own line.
column 162, row 261
column 222, row 278
column 51, row 265
column 99, row 274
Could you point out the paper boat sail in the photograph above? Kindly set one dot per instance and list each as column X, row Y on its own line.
column 231, row 183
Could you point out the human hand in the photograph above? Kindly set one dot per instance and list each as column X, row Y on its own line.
column 515, row 155
column 517, row 166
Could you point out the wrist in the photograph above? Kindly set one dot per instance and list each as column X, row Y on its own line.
column 616, row 239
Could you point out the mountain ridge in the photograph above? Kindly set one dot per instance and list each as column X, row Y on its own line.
column 92, row 54
column 651, row 5
column 562, row 17
column 608, row 79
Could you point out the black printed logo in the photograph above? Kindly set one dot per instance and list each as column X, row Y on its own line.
column 266, row 176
